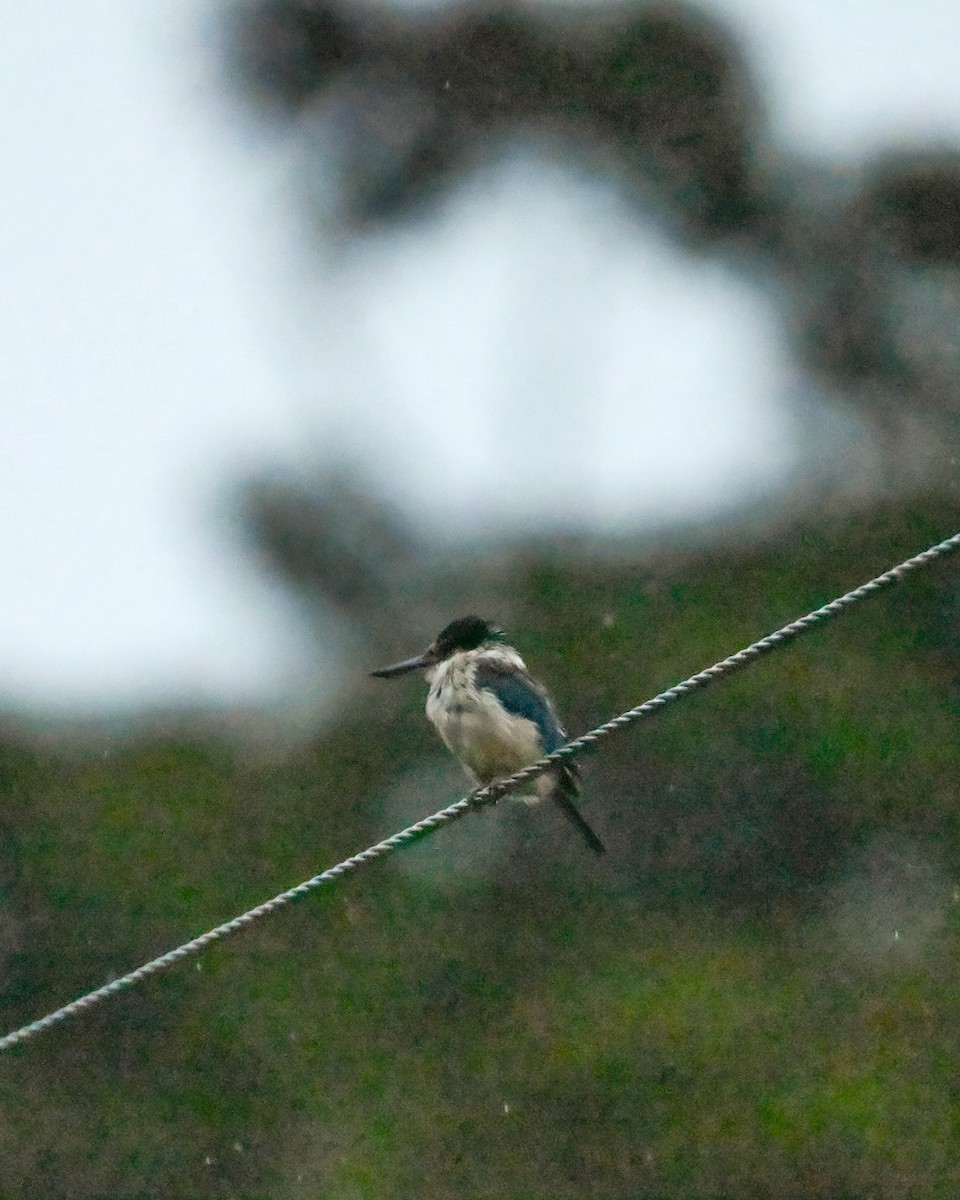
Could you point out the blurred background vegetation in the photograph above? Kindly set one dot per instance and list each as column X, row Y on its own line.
column 755, row 992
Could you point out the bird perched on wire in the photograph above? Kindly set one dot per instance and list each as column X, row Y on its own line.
column 492, row 714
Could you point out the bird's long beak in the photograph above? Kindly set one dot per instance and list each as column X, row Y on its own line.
column 401, row 668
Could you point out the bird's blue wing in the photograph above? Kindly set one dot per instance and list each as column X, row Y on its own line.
column 522, row 697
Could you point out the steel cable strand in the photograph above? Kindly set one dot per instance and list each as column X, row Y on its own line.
column 490, row 793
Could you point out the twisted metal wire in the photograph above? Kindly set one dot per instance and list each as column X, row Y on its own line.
column 726, row 666
column 492, row 792
column 403, row 838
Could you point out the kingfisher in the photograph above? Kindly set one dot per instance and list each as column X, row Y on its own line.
column 493, row 715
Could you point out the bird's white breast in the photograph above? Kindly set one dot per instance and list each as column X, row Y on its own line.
column 473, row 725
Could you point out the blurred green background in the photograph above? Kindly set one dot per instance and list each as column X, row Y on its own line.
column 755, row 992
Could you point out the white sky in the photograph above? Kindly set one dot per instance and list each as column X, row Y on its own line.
column 159, row 340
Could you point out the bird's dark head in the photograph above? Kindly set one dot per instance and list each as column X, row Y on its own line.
column 465, row 633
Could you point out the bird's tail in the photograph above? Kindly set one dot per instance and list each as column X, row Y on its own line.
column 565, row 789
